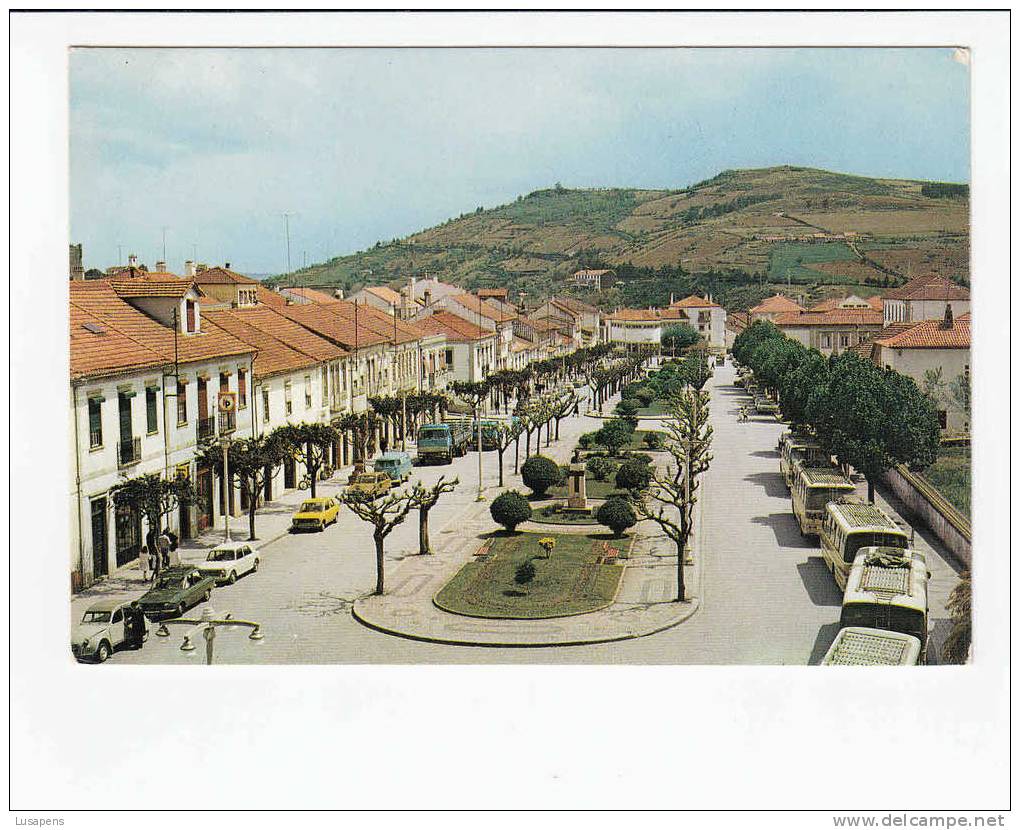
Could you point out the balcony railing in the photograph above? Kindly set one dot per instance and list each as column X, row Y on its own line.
column 206, row 428
column 129, row 451
column 95, row 438
column 228, row 422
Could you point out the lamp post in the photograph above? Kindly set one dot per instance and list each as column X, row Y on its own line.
column 225, row 443
column 207, row 625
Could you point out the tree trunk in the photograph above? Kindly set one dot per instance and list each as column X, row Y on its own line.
column 499, row 450
column 681, row 595
column 527, row 445
column 380, row 565
column 252, row 507
column 424, row 548
column 517, row 452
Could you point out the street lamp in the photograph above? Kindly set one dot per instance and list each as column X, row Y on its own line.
column 207, row 625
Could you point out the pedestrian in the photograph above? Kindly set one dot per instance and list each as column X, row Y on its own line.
column 173, row 539
column 384, row 443
column 135, row 624
column 143, row 562
column 577, row 408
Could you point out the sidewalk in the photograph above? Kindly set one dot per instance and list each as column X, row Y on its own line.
column 643, row 604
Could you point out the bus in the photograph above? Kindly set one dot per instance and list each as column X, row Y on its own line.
column 887, row 588
column 799, row 451
column 858, row 646
column 812, row 489
column 849, row 526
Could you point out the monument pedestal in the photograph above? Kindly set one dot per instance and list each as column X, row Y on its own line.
column 577, row 498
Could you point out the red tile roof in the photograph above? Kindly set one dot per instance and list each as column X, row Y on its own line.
column 99, row 349
column 476, row 305
column 836, row 317
column 456, row 329
column 387, row 295
column 97, row 301
column 776, row 304
column 694, row 302
column 312, row 295
column 221, row 276
column 636, row 315
column 929, row 334
column 145, row 284
column 833, row 302
column 929, row 288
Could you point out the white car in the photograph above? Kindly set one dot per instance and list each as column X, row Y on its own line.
column 226, row 562
column 100, row 631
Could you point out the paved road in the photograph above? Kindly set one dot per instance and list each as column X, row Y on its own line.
column 767, row 598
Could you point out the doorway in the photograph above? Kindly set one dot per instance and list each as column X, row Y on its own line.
column 100, row 542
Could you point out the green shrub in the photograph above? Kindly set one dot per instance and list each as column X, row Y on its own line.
column 617, row 515
column 633, row 476
column 640, row 392
column 643, row 457
column 655, row 440
column 600, row 467
column 541, row 473
column 614, row 434
column 524, row 573
column 587, row 440
column 628, row 407
column 510, row 509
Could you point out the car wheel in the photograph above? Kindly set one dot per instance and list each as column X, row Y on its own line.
column 255, row 567
column 181, row 609
column 103, row 652
column 322, row 525
column 230, row 580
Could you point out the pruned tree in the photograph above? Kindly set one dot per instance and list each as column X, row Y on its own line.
column 253, row 461
column 423, row 499
column 310, row 444
column 154, row 497
column 505, row 435
column 384, row 515
column 562, row 407
column 672, row 494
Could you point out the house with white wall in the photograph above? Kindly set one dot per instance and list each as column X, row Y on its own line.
column 924, row 298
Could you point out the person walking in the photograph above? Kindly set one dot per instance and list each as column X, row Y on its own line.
column 143, row 562
column 135, row 619
column 163, row 545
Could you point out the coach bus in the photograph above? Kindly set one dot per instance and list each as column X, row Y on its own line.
column 813, row 488
column 849, row 526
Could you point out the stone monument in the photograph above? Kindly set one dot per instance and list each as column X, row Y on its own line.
column 577, row 498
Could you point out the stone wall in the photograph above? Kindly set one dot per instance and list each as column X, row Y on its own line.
column 945, row 521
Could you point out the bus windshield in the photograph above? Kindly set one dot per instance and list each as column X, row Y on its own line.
column 818, row 497
column 884, row 616
column 856, row 541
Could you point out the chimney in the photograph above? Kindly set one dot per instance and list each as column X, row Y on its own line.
column 200, row 267
column 428, row 296
column 226, row 266
column 160, row 266
column 132, row 261
column 77, row 271
column 947, row 321
column 189, row 268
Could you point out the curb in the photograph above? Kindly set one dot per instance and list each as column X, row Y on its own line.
column 689, row 612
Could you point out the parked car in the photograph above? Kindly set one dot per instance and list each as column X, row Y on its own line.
column 315, row 514
column 397, row 465
column 371, row 484
column 226, row 562
column 176, row 590
column 100, row 631
column 765, row 406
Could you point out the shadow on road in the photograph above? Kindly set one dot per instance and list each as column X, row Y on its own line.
column 826, row 634
column 821, row 587
column 787, row 531
column 765, row 454
column 772, row 482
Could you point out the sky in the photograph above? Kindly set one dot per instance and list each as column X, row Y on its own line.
column 363, row 145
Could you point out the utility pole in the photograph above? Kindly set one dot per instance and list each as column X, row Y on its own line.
column 286, row 232
column 120, row 254
column 164, row 229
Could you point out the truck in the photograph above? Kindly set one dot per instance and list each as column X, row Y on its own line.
column 443, row 442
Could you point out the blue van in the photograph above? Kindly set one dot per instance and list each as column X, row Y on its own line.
column 397, row 465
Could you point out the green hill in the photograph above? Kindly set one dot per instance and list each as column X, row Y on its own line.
column 754, row 227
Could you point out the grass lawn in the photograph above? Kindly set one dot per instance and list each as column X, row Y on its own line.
column 573, row 580
column 658, row 407
column 950, row 475
column 637, row 442
column 554, row 516
column 791, row 257
column 593, row 489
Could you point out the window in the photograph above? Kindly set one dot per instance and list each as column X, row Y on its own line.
column 189, row 309
column 95, row 422
column 288, row 406
column 942, row 419
column 844, row 341
column 242, row 388
column 826, row 341
column 224, row 382
column 265, row 405
column 308, row 391
column 124, row 410
column 182, row 403
column 449, row 357
column 151, row 416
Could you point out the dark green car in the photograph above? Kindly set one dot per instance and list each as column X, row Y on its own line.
column 176, row 590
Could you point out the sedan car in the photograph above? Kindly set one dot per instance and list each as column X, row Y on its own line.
column 315, row 514
column 226, row 562
column 372, row 485
column 101, row 630
column 176, row 590
column 765, row 406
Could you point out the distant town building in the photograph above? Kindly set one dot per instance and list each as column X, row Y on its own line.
column 768, row 308
column 924, row 298
column 594, row 280
column 77, row 270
